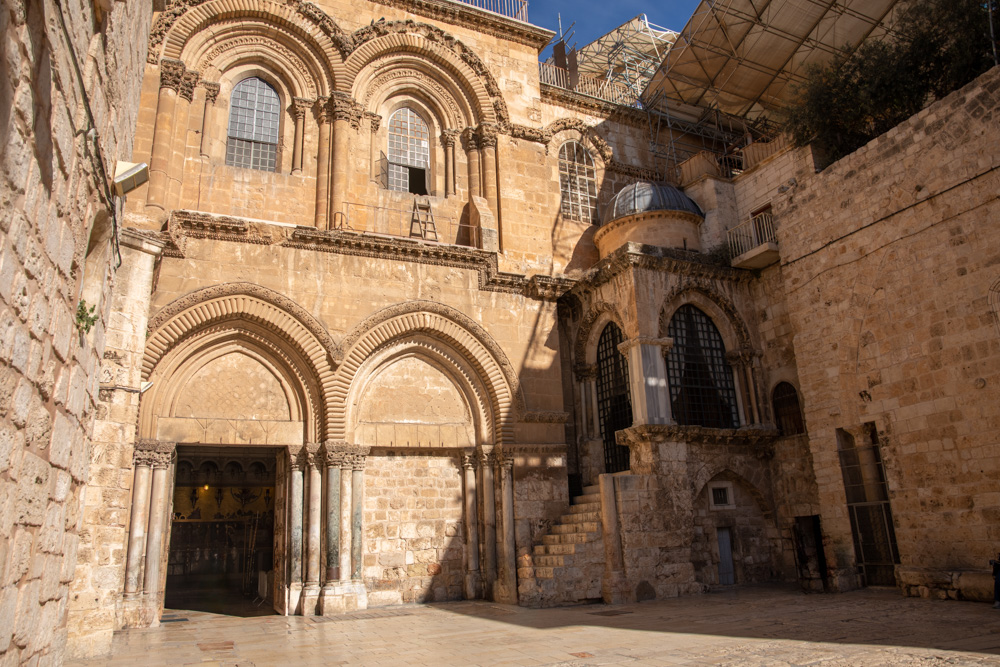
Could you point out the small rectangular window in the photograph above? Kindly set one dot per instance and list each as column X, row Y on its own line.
column 720, row 496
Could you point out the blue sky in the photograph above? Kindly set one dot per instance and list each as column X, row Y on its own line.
column 596, row 17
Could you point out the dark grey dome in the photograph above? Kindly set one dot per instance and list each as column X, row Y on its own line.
column 644, row 196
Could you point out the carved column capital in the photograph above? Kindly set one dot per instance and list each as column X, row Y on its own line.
column 211, row 91
column 344, row 107
column 585, row 371
column 470, row 138
column 469, row 460
column 742, row 357
column 299, row 107
column 189, row 80
column 171, row 73
column 298, row 457
column 448, row 137
column 487, row 135
column 322, row 110
column 154, row 453
column 375, row 120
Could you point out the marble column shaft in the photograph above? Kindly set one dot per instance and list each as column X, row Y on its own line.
column 489, row 521
column 295, row 490
column 333, row 501
column 315, row 513
column 160, row 503
column 508, row 551
column 472, row 158
column 357, row 516
column 471, row 526
column 322, row 163
column 171, row 73
column 137, row 526
column 211, row 94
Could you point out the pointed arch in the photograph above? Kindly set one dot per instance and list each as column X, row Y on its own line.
column 453, row 336
column 193, row 33
column 585, row 349
column 749, row 477
column 716, row 305
column 249, row 319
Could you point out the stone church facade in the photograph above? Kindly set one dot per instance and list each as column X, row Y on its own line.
column 393, row 321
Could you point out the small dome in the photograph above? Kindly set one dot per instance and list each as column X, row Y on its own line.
column 643, row 197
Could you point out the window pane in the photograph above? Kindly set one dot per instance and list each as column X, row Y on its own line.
column 254, row 118
column 702, row 391
column 409, row 146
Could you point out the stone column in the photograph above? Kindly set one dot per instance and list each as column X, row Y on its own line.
column 472, row 158
column 448, row 138
column 346, row 116
column 357, row 511
column 297, row 463
column 489, row 521
column 171, row 73
column 507, row 574
column 143, row 459
column 162, row 454
column 211, row 94
column 334, row 459
column 310, row 592
column 322, row 162
column 647, row 372
column 374, row 169
column 473, row 582
column 182, row 116
column 488, row 147
column 741, row 361
column 299, row 107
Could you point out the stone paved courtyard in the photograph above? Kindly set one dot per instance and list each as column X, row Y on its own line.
column 741, row 626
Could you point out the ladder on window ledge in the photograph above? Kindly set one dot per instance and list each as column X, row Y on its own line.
column 422, row 221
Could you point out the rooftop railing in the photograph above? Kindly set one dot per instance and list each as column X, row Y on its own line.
column 515, row 9
column 609, row 91
column 751, row 234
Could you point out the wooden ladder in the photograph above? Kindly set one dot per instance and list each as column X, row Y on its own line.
column 422, row 221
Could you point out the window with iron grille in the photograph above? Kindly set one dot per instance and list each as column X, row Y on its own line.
column 787, row 415
column 614, row 404
column 577, row 183
column 702, row 391
column 254, row 115
column 409, row 152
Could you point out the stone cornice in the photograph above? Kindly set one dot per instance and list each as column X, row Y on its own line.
column 758, row 440
column 545, row 417
column 482, row 21
column 657, row 259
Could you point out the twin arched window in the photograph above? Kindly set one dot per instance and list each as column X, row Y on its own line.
column 577, row 183
column 409, row 152
column 702, row 390
column 254, row 115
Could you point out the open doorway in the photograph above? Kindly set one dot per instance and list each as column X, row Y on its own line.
column 221, row 557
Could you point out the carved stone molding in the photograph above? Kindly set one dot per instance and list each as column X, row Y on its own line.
column 585, row 332
column 192, row 224
column 703, row 286
column 486, row 135
column 448, row 138
column 264, row 44
column 298, row 457
column 470, row 138
column 322, row 110
column 593, row 106
column 189, row 81
column 171, row 73
column 469, row 460
column 211, row 91
column 755, row 440
column 310, row 323
column 665, row 343
column 545, row 417
column 375, row 120
column 585, row 130
column 439, row 92
column 584, row 371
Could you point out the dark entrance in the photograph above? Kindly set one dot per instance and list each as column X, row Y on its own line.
column 614, row 403
column 222, row 531
column 868, row 506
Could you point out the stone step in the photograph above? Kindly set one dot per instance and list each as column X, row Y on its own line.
column 576, row 527
column 550, row 561
column 587, row 498
column 584, row 507
column 591, row 490
column 570, row 538
column 553, row 549
column 580, row 517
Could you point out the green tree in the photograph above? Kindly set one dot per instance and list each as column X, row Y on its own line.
column 937, row 46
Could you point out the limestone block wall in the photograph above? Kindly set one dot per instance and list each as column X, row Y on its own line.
column 414, row 549
column 889, row 265
column 55, row 230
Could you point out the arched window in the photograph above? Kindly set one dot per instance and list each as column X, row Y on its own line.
column 702, row 391
column 614, row 404
column 254, row 112
column 577, row 183
column 409, row 152
column 787, row 414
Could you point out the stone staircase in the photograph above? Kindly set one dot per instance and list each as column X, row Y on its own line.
column 568, row 566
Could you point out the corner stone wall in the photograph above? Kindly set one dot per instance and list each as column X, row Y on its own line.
column 890, row 266
column 52, row 195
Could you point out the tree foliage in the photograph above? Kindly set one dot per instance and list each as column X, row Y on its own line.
column 937, row 46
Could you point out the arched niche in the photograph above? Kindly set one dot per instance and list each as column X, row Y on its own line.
column 418, row 393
